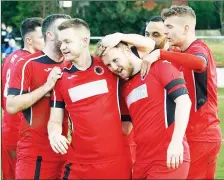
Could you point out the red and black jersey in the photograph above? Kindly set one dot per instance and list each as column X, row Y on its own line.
column 202, row 86
column 10, row 123
column 29, row 74
column 151, row 106
column 91, row 99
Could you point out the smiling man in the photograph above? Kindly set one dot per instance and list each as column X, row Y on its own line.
column 155, row 107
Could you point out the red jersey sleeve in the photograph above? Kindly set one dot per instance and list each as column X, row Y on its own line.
column 171, row 79
column 21, row 78
column 57, row 100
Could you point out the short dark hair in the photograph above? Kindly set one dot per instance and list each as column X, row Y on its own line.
column 50, row 19
column 156, row 19
column 29, row 25
column 73, row 23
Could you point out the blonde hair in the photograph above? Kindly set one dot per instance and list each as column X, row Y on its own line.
column 178, row 11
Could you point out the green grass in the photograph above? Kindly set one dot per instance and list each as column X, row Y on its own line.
column 217, row 49
column 220, row 165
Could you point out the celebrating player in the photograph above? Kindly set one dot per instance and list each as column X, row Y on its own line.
column 33, row 41
column 197, row 63
column 29, row 92
column 155, row 106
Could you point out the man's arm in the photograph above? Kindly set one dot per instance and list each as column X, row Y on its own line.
column 175, row 150
column 182, row 114
column 58, row 142
column 16, row 101
column 144, row 45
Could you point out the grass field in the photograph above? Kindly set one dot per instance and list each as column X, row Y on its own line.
column 218, row 50
column 220, row 165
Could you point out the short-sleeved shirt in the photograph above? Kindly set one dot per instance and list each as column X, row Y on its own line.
column 10, row 123
column 151, row 106
column 30, row 73
column 202, row 86
column 91, row 99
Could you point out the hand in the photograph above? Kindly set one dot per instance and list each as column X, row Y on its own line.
column 148, row 60
column 110, row 41
column 175, row 153
column 53, row 76
column 59, row 143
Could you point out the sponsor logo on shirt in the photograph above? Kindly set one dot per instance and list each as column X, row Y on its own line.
column 48, row 69
column 136, row 94
column 88, row 90
column 70, row 77
column 98, row 70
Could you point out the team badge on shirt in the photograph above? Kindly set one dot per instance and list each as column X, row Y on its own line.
column 98, row 70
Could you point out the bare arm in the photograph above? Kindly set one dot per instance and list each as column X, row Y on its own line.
column 175, row 151
column 182, row 114
column 126, row 127
column 20, row 102
column 57, row 141
column 16, row 103
column 55, row 122
column 143, row 44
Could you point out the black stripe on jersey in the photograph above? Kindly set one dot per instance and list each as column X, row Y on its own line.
column 135, row 51
column 178, row 92
column 38, row 167
column 170, row 110
column 174, row 83
column 46, row 60
column 14, row 91
column 171, row 105
column 73, row 69
column 203, row 57
column 67, row 171
column 201, row 88
column 126, row 118
column 27, row 114
column 58, row 104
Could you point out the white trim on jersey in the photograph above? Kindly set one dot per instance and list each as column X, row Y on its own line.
column 118, row 93
column 195, row 94
column 165, row 108
column 87, row 90
column 54, row 98
column 23, row 72
column 31, row 113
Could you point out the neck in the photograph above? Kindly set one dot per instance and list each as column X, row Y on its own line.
column 84, row 61
column 189, row 40
column 49, row 51
column 136, row 63
column 29, row 49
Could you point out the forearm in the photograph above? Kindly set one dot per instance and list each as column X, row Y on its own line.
column 142, row 44
column 186, row 60
column 54, row 128
column 181, row 118
column 21, row 102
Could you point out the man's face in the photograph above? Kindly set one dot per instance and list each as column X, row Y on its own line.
column 37, row 39
column 156, row 31
column 72, row 44
column 174, row 30
column 57, row 43
column 117, row 60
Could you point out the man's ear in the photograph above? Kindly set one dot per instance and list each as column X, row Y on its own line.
column 50, row 35
column 186, row 29
column 86, row 41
